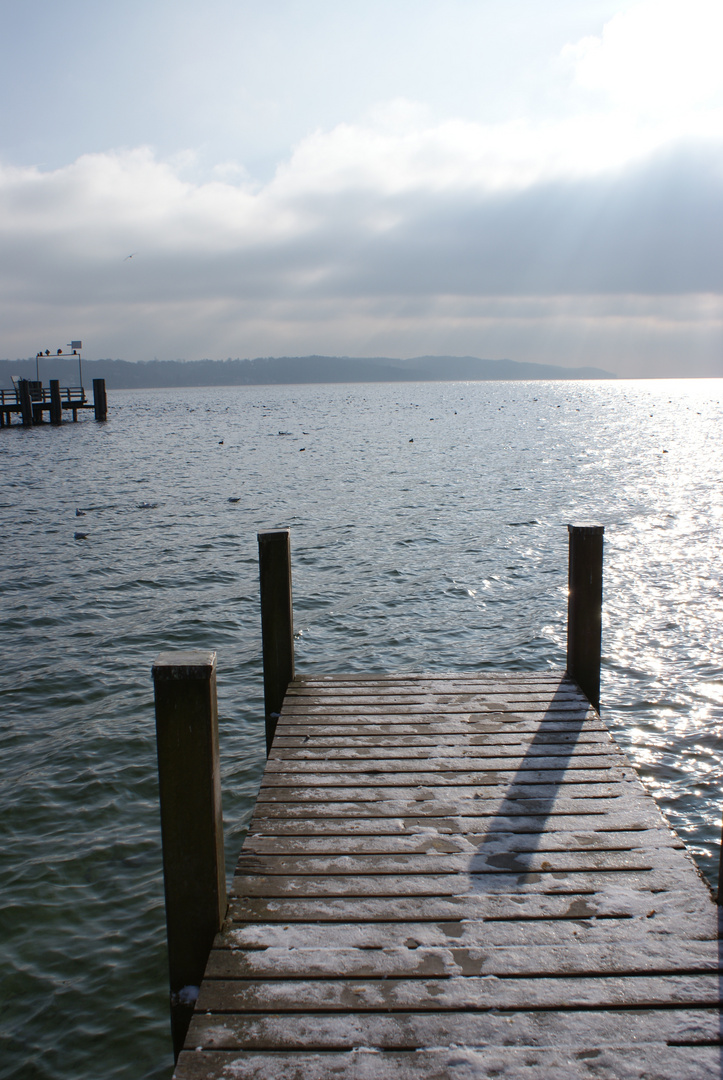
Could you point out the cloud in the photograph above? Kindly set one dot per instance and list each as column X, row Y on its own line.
column 593, row 238
column 658, row 57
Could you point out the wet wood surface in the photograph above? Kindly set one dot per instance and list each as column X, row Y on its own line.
column 457, row 876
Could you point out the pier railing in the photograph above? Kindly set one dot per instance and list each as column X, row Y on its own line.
column 71, row 395
column 30, row 400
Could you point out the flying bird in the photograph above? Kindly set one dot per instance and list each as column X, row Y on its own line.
column 130, row 256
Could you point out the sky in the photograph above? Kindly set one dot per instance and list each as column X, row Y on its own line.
column 538, row 181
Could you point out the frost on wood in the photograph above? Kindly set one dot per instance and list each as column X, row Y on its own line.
column 457, row 878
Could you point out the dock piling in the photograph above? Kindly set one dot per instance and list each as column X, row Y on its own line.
column 100, row 402
column 277, row 622
column 584, row 609
column 191, row 821
column 26, row 404
column 56, row 405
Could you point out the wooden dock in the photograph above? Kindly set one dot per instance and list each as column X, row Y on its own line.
column 32, row 403
column 456, row 876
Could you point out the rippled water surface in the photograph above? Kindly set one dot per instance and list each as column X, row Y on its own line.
column 428, row 533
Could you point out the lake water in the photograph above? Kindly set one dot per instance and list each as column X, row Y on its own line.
column 428, row 533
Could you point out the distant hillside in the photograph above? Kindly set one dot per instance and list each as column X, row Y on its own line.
column 264, row 371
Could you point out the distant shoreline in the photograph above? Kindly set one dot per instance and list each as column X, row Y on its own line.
column 290, row 370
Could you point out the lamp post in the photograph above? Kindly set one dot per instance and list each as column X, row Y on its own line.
column 76, row 346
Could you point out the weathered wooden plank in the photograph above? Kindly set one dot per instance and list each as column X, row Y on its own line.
column 591, row 779
column 507, row 711
column 508, row 680
column 593, row 741
column 431, row 750
column 483, row 700
column 464, row 682
column 456, row 884
column 441, row 1063
column 422, row 790
column 421, row 803
column 458, row 992
column 459, row 682
column 581, row 958
column 413, row 1031
column 499, row 861
column 431, row 683
column 501, row 675
column 455, row 825
column 430, row 842
column 467, row 933
column 446, row 764
column 430, row 727
column 523, row 907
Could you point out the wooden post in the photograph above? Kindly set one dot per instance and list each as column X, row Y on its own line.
column 277, row 622
column 100, row 402
column 584, row 609
column 26, row 404
column 56, row 408
column 191, row 822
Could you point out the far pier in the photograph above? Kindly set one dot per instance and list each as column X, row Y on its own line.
column 32, row 403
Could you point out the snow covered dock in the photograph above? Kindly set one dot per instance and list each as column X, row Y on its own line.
column 457, row 877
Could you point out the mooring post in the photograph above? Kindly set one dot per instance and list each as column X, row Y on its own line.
column 191, row 822
column 100, row 402
column 277, row 622
column 584, row 609
column 26, row 404
column 56, row 408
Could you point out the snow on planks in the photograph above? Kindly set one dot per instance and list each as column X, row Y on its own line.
column 457, row 876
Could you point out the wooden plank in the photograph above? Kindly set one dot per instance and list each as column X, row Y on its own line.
column 458, row 992
column 430, row 729
column 424, row 789
column 421, row 803
column 431, row 688
column 510, row 1063
column 528, row 906
column 413, row 1031
column 469, row 681
column 365, row 750
column 430, row 842
column 484, row 701
column 590, row 778
column 468, row 933
column 508, row 712
column 445, row 764
column 534, row 961
column 456, row 825
column 496, row 674
column 501, row 742
column 499, row 861
column 455, row 884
